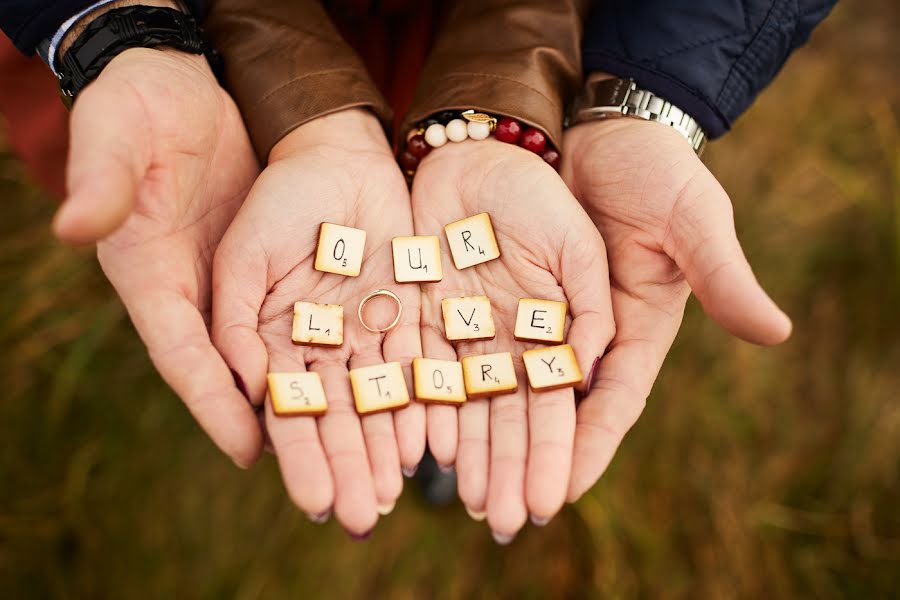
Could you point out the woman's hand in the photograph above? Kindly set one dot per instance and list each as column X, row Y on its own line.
column 159, row 163
column 336, row 169
column 513, row 452
column 669, row 230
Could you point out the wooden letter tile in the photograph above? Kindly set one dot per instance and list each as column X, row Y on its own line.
column 417, row 258
column 438, row 381
column 379, row 387
column 472, row 241
column 297, row 394
column 340, row 249
column 489, row 375
column 540, row 321
column 468, row 318
column 552, row 367
column 318, row 324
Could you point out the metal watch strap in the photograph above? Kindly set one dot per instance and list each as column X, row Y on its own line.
column 121, row 29
column 619, row 97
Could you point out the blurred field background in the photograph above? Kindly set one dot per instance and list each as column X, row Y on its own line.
column 753, row 472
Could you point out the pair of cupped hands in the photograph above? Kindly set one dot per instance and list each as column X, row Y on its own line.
column 209, row 255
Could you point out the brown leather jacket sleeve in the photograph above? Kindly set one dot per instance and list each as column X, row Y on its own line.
column 518, row 58
column 286, row 64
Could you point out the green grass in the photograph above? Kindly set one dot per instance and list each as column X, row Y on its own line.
column 753, row 472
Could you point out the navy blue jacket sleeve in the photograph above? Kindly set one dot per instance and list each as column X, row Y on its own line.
column 28, row 22
column 708, row 57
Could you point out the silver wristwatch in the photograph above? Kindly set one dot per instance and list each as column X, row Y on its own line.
column 617, row 97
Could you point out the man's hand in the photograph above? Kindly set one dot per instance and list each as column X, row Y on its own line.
column 336, row 169
column 669, row 230
column 514, row 451
column 158, row 165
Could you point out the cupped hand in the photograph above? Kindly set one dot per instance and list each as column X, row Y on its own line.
column 669, row 230
column 159, row 163
column 336, row 169
column 513, row 452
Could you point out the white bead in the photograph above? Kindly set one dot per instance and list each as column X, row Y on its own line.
column 436, row 135
column 478, row 130
column 456, row 130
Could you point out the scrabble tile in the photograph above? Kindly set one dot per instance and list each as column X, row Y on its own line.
column 379, row 387
column 468, row 318
column 438, row 381
column 417, row 258
column 489, row 375
column 540, row 321
column 318, row 324
column 340, row 249
column 472, row 241
column 552, row 367
column 297, row 394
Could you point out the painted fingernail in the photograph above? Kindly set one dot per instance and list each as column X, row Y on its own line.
column 539, row 521
column 477, row 515
column 360, row 537
column 321, row 517
column 503, row 538
column 446, row 468
column 590, row 379
column 410, row 471
column 385, row 509
column 239, row 383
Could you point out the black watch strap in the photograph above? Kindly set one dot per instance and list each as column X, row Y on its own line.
column 123, row 28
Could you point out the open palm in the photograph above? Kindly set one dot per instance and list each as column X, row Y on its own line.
column 513, row 452
column 669, row 230
column 158, row 165
column 336, row 169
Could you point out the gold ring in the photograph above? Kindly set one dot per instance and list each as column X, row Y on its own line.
column 373, row 295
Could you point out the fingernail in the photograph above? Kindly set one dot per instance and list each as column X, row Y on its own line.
column 240, row 464
column 590, row 379
column 446, row 468
column 410, row 471
column 540, row 522
column 503, row 538
column 239, row 383
column 385, row 509
column 321, row 517
column 360, row 537
column 476, row 515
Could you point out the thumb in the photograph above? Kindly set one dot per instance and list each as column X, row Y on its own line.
column 108, row 154
column 703, row 242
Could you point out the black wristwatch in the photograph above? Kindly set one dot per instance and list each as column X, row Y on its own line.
column 123, row 28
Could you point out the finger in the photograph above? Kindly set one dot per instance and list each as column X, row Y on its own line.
column 355, row 506
column 179, row 346
column 381, row 442
column 506, row 510
column 620, row 386
column 473, row 456
column 442, row 422
column 402, row 344
column 584, row 276
column 239, row 289
column 108, row 155
column 703, row 242
column 551, row 426
column 295, row 440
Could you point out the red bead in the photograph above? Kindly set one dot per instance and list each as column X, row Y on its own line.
column 408, row 161
column 551, row 157
column 508, row 130
column 417, row 146
column 533, row 140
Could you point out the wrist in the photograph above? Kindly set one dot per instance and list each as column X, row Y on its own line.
column 352, row 129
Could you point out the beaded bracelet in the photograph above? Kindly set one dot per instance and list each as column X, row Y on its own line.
column 456, row 126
